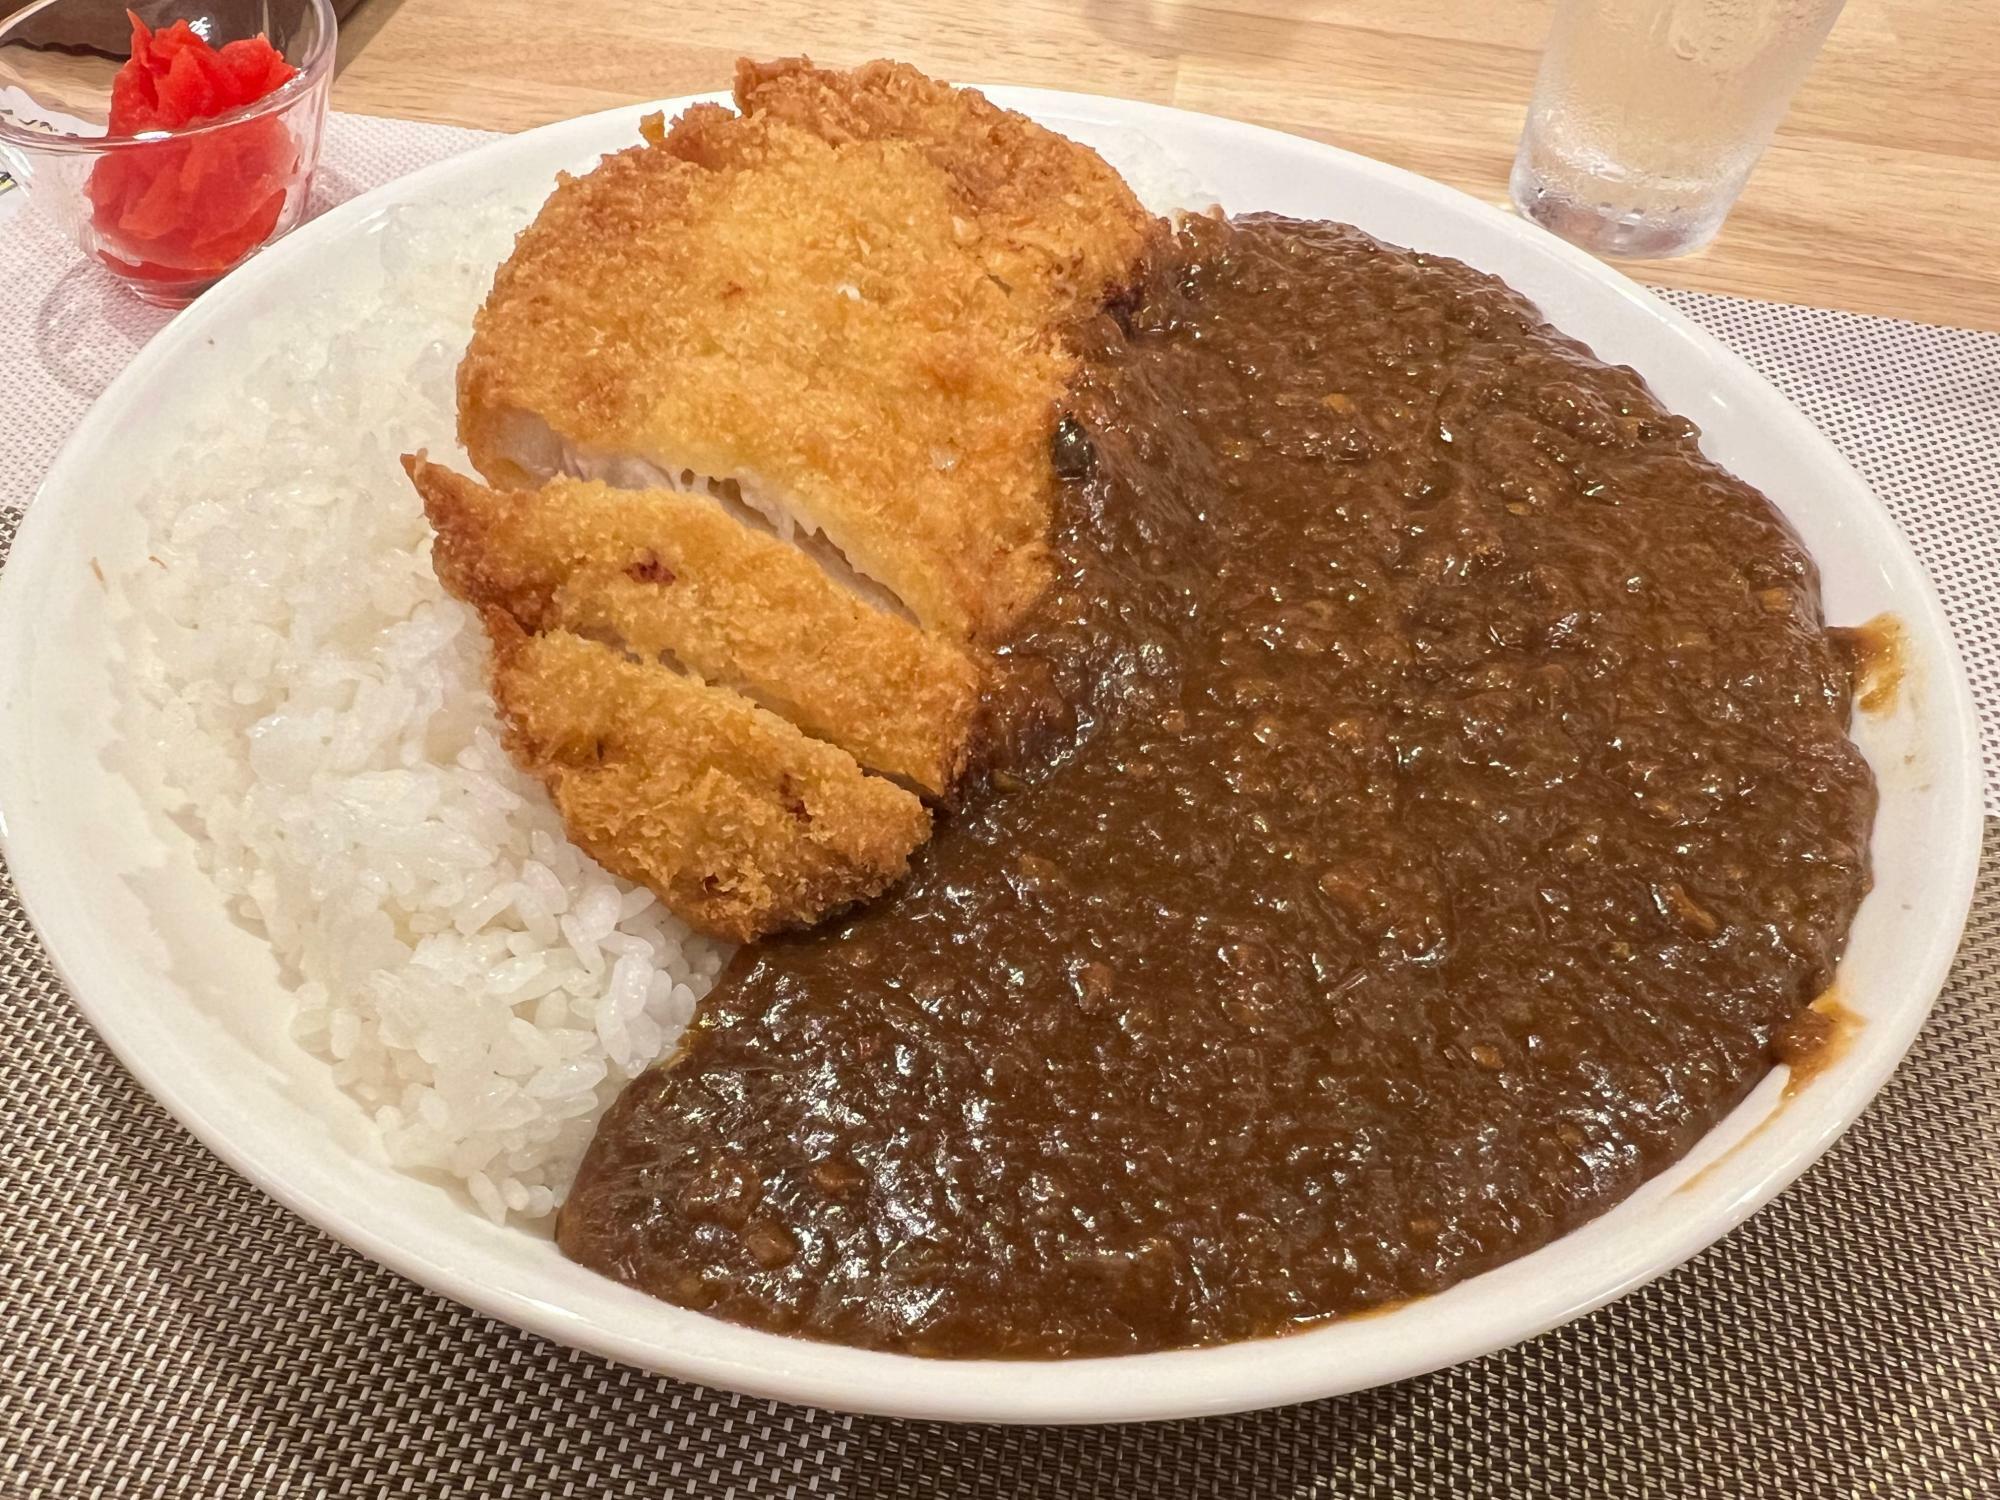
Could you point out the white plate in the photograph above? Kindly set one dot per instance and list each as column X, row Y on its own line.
column 191, row 1002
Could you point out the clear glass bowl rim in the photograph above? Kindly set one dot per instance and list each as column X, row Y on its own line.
column 317, row 62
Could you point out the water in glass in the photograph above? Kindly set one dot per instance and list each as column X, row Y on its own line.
column 1648, row 115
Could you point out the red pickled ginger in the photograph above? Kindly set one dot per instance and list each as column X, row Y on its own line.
column 184, row 209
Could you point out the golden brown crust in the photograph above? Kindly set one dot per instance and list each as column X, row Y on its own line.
column 848, row 302
column 742, row 824
column 848, row 299
column 1048, row 209
column 676, row 574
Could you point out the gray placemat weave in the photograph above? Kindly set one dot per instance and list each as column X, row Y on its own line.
column 166, row 1330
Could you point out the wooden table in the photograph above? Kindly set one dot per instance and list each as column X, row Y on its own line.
column 1881, row 193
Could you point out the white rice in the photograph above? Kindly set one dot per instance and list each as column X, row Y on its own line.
column 316, row 707
column 479, row 985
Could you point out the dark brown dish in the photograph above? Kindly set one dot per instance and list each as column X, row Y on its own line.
column 1426, row 806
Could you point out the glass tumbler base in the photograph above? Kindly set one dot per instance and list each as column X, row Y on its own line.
column 1604, row 229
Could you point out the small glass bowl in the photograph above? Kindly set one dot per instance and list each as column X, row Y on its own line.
column 57, row 60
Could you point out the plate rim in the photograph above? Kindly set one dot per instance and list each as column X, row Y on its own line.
column 1058, row 1391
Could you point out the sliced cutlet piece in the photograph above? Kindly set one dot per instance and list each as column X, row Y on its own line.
column 740, row 823
column 827, row 324
column 808, row 328
column 675, row 574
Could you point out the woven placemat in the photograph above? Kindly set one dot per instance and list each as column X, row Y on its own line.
column 167, row 1330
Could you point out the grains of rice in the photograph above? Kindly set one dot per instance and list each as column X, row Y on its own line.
column 318, row 707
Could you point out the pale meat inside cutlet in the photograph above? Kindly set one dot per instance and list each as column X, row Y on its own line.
column 823, row 343
column 675, row 576
column 537, row 450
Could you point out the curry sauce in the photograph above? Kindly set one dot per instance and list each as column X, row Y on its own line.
column 1417, row 811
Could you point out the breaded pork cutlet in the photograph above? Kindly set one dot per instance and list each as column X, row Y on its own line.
column 767, row 403
column 676, row 576
column 733, row 817
column 846, row 301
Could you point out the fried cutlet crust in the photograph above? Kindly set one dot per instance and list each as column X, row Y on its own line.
column 676, row 574
column 1049, row 212
column 897, row 417
column 832, row 300
column 847, row 305
column 741, row 823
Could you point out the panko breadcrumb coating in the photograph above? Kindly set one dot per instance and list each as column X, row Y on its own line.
column 767, row 402
column 737, row 821
column 675, row 574
column 849, row 299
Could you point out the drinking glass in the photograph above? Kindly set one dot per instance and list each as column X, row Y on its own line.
column 1648, row 115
